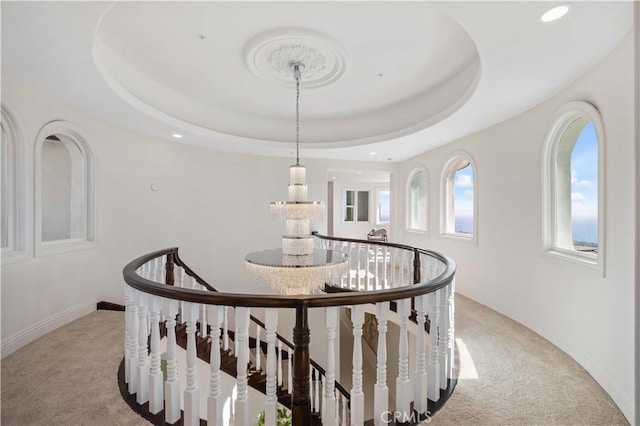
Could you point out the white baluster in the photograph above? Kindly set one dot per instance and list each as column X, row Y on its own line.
column 366, row 270
column 346, row 248
column 394, row 267
column 452, row 328
column 381, row 390
column 216, row 399
column 385, row 264
column 345, row 278
column 279, row 362
column 242, row 338
column 192, row 392
column 443, row 332
column 133, row 342
column 379, row 262
column 156, row 403
column 235, row 339
column 404, row 261
column 316, row 393
column 141, row 270
column 357, row 396
column 344, row 411
column 420, row 380
column 225, row 330
column 353, row 267
column 404, row 392
column 271, row 324
column 358, row 266
column 203, row 322
column 258, row 348
column 329, row 398
column 151, row 271
column 181, row 284
column 157, row 273
column 432, row 268
column 290, row 371
column 127, row 333
column 171, row 385
column 142, row 387
column 433, row 373
column 311, row 399
column 145, row 270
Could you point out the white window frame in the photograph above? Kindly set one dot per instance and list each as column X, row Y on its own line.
column 67, row 133
column 355, row 205
column 16, row 249
column 552, row 230
column 409, row 223
column 447, row 197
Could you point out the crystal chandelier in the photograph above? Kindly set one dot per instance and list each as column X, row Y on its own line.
column 297, row 268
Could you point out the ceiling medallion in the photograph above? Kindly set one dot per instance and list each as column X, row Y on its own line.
column 268, row 56
column 314, row 62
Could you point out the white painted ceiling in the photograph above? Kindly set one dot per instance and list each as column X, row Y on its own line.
column 392, row 78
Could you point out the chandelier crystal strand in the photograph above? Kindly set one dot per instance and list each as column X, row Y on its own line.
column 296, row 74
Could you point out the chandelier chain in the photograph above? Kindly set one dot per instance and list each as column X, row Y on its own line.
column 297, row 119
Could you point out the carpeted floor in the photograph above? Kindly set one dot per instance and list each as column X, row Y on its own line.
column 508, row 376
column 69, row 377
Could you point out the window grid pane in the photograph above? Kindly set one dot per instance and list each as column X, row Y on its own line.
column 463, row 200
column 584, row 190
column 418, row 202
column 363, row 206
column 384, row 206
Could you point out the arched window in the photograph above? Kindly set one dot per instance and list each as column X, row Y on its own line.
column 13, row 195
column 572, row 182
column 459, row 198
column 12, row 191
column 417, row 202
column 64, row 190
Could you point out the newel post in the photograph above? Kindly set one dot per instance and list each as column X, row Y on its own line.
column 301, row 401
column 416, row 266
column 168, row 277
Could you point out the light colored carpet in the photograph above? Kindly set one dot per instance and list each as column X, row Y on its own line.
column 69, row 377
column 509, row 376
column 522, row 379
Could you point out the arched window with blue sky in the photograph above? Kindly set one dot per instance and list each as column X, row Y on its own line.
column 459, row 198
column 573, row 213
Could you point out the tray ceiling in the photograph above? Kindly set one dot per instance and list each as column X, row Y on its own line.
column 391, row 77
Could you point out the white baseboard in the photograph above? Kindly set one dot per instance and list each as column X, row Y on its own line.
column 28, row 335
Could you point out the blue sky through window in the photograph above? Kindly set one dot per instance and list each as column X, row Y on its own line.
column 384, row 206
column 584, row 187
column 463, row 200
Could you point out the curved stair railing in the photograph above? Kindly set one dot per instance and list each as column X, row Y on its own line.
column 161, row 290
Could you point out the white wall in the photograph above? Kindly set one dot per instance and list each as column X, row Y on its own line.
column 214, row 206
column 586, row 315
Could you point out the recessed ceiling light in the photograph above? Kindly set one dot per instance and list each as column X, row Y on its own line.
column 373, row 153
column 555, row 13
column 359, row 173
column 334, row 178
column 177, row 135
